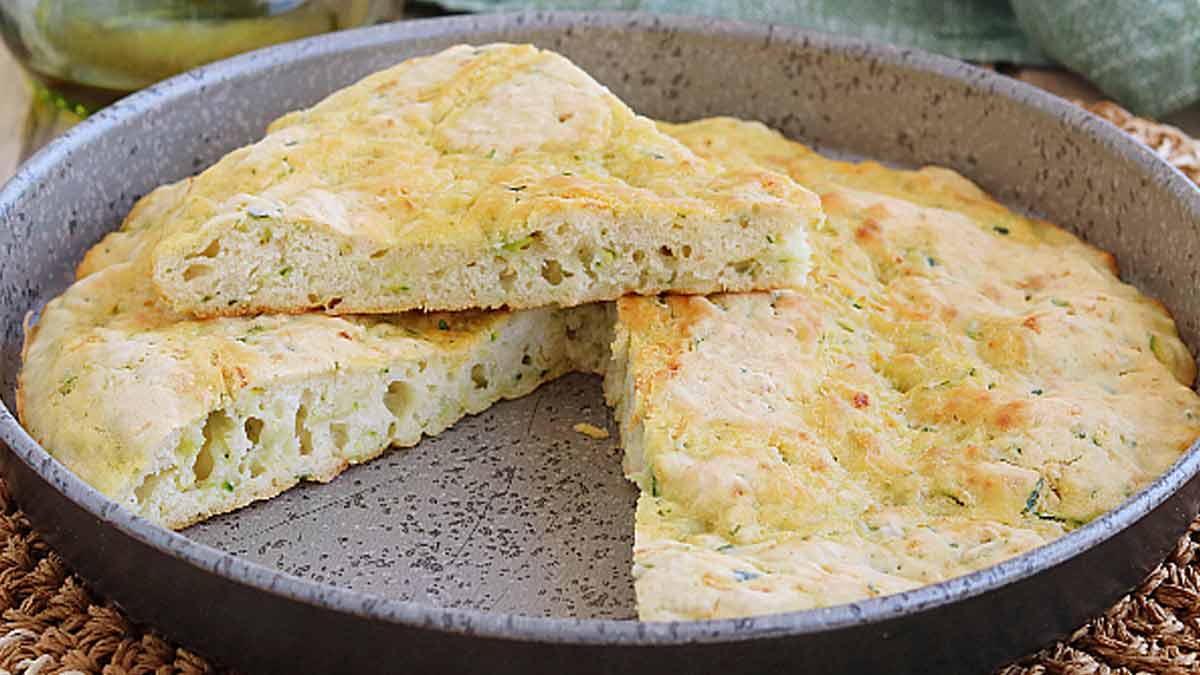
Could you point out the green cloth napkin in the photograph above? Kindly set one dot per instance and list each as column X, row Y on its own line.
column 1146, row 55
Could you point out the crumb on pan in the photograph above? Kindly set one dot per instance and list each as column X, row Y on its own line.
column 591, row 430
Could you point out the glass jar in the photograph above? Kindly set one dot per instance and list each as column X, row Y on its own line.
column 87, row 54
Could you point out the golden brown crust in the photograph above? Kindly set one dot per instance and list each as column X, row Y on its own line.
column 956, row 384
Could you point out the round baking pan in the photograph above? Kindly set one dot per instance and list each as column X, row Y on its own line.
column 503, row 545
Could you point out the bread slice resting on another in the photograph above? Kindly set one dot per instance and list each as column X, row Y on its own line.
column 179, row 419
column 477, row 178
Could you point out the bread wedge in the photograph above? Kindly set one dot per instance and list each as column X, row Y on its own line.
column 179, row 419
column 956, row 384
column 477, row 178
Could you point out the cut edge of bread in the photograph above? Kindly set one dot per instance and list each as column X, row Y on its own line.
column 270, row 265
column 263, row 440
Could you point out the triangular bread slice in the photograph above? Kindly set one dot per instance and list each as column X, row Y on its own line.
column 955, row 385
column 179, row 419
column 480, row 177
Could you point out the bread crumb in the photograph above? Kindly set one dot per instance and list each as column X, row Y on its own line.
column 591, row 430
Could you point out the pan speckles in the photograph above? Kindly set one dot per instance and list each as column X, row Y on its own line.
column 264, row 610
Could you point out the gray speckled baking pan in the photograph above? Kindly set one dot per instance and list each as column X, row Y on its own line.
column 502, row 546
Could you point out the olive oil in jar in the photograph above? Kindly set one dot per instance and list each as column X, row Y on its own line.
column 88, row 54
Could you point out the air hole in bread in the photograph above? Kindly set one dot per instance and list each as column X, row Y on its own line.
column 479, row 376
column 302, row 431
column 211, row 251
column 746, row 267
column 686, row 251
column 149, row 485
column 215, row 429
column 666, row 252
column 379, row 254
column 340, row 435
column 253, row 428
column 507, row 279
column 398, row 398
column 194, row 272
column 638, row 257
column 552, row 272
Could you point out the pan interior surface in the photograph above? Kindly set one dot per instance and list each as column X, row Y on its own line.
column 508, row 511
column 511, row 511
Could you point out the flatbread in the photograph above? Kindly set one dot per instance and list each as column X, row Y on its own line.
column 957, row 384
column 477, row 178
column 179, row 419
